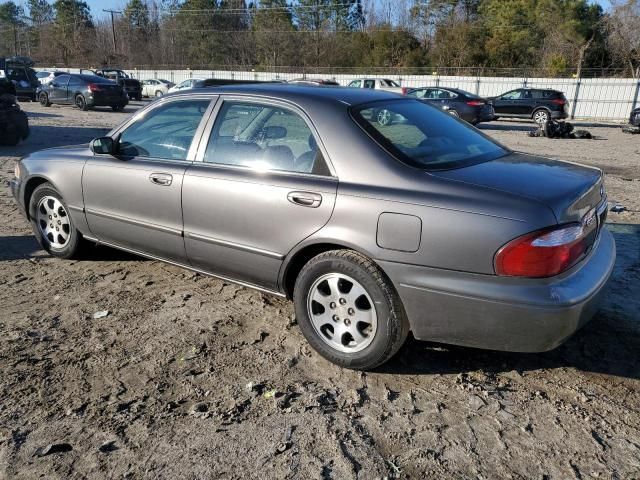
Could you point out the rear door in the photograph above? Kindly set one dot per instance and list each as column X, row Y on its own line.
column 133, row 199
column 260, row 186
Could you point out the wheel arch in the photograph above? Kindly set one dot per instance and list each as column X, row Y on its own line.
column 297, row 259
column 537, row 109
column 30, row 186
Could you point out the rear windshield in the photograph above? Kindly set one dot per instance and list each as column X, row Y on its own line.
column 94, row 79
column 425, row 137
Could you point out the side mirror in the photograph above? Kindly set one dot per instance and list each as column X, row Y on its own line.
column 103, row 146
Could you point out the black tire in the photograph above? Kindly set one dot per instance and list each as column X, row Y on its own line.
column 81, row 103
column 392, row 324
column 541, row 116
column 73, row 245
column 44, row 100
column 117, row 108
column 159, row 93
column 453, row 113
column 139, row 97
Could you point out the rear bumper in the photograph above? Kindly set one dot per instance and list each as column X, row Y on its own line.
column 558, row 115
column 501, row 313
column 100, row 101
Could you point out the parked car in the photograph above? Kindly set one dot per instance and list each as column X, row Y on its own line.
column 20, row 72
column 83, row 91
column 456, row 102
column 45, row 76
column 426, row 225
column 385, row 84
column 184, row 85
column 314, row 82
column 131, row 86
column 156, row 87
column 538, row 104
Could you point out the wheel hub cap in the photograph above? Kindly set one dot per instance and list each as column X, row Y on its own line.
column 53, row 222
column 342, row 312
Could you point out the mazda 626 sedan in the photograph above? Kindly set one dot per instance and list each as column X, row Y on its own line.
column 423, row 224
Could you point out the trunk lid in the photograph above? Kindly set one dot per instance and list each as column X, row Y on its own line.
column 568, row 189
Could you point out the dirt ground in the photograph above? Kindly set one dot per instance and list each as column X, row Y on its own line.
column 191, row 377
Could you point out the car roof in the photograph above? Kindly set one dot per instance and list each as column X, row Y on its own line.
column 300, row 93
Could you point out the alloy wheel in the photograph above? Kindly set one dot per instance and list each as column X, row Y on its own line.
column 342, row 312
column 384, row 117
column 53, row 222
column 541, row 117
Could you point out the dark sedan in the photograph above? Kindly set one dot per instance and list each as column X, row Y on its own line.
column 424, row 225
column 83, row 91
column 634, row 117
column 469, row 107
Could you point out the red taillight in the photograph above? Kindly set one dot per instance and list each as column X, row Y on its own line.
column 559, row 101
column 544, row 253
column 475, row 103
column 404, row 90
column 93, row 87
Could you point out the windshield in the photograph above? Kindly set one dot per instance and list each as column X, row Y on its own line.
column 425, row 137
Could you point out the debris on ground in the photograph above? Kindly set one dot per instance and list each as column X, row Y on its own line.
column 52, row 448
column 632, row 129
column 101, row 314
column 555, row 129
column 618, row 208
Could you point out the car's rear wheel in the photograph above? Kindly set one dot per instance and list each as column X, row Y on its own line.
column 81, row 103
column 453, row 113
column 541, row 117
column 44, row 100
column 159, row 93
column 51, row 223
column 117, row 108
column 348, row 310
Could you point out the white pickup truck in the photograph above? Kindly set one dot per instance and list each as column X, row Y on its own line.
column 378, row 84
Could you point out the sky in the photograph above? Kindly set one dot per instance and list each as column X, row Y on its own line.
column 98, row 5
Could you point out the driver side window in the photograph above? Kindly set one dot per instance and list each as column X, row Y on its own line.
column 165, row 132
column 264, row 137
column 513, row 95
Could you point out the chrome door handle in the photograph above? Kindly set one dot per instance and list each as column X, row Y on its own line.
column 163, row 179
column 305, row 199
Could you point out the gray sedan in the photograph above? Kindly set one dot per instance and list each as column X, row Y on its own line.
column 423, row 225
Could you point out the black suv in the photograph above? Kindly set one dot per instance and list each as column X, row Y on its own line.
column 538, row 104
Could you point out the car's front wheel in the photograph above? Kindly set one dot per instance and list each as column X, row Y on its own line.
column 348, row 310
column 51, row 223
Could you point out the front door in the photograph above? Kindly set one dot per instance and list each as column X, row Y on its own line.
column 260, row 186
column 506, row 103
column 58, row 89
column 133, row 199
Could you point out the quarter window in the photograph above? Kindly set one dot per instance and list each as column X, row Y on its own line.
column 264, row 137
column 165, row 132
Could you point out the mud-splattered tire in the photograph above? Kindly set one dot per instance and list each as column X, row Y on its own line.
column 348, row 310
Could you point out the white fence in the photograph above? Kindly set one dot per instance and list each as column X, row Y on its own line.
column 589, row 98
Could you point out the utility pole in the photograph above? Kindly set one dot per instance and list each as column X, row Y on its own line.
column 113, row 28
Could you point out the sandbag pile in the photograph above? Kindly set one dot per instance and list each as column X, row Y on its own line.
column 555, row 129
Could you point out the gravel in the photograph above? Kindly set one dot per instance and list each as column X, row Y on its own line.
column 192, row 377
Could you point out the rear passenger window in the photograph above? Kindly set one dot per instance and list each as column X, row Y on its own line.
column 264, row 137
column 165, row 132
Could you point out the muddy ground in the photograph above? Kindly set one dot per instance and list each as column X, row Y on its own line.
column 191, row 377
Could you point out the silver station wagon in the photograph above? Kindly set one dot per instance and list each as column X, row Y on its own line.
column 420, row 223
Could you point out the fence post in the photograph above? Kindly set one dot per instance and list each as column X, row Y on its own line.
column 477, row 85
column 635, row 95
column 575, row 98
